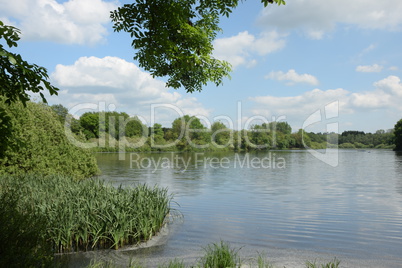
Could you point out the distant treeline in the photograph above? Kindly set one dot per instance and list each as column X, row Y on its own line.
column 116, row 131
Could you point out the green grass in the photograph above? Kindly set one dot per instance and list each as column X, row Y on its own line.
column 89, row 214
column 220, row 255
column 22, row 244
column 262, row 262
column 40, row 216
column 332, row 264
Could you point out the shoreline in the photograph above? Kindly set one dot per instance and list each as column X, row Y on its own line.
column 157, row 251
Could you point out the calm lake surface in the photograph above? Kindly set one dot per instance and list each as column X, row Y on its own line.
column 286, row 204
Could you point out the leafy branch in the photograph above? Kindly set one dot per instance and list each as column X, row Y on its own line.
column 174, row 38
column 17, row 76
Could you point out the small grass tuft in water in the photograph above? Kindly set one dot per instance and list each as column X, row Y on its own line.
column 220, row 255
column 262, row 261
column 332, row 264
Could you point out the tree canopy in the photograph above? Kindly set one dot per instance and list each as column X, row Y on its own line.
column 17, row 76
column 173, row 38
column 398, row 135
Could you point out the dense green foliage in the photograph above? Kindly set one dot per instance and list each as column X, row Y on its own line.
column 23, row 244
column 33, row 141
column 18, row 77
column 94, row 124
column 220, row 135
column 83, row 215
column 174, row 38
column 359, row 139
column 398, row 135
column 189, row 133
column 275, row 135
column 64, row 117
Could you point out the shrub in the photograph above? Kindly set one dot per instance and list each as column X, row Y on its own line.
column 35, row 142
column 346, row 145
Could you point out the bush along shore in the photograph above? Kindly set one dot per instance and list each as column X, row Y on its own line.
column 33, row 140
column 80, row 215
column 50, row 204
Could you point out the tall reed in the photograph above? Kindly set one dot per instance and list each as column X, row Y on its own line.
column 90, row 214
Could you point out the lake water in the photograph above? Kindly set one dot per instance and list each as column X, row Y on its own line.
column 286, row 204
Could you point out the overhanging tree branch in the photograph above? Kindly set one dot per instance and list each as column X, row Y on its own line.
column 173, row 38
column 17, row 76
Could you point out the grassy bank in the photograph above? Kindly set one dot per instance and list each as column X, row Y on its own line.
column 79, row 215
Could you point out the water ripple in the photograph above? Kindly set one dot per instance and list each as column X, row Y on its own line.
column 353, row 210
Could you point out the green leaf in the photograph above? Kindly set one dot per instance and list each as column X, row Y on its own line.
column 21, row 77
column 12, row 60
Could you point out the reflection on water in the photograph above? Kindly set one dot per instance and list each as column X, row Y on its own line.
column 284, row 203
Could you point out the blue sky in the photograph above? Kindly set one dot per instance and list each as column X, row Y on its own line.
column 340, row 58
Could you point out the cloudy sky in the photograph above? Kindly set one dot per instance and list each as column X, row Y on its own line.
column 311, row 63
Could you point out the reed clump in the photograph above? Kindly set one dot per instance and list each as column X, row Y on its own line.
column 89, row 214
column 220, row 255
column 332, row 264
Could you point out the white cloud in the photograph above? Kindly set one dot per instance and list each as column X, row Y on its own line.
column 390, row 85
column 375, row 68
column 115, row 81
column 234, row 49
column 386, row 96
column 315, row 34
column 300, row 105
column 268, row 42
column 315, row 17
column 368, row 49
column 296, row 109
column 240, row 49
column 293, row 77
column 370, row 100
column 72, row 22
column 365, row 51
